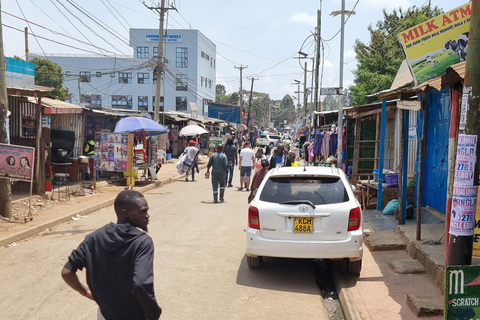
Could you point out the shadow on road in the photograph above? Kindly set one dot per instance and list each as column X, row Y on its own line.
column 292, row 275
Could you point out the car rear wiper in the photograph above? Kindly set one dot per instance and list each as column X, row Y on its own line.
column 299, row 202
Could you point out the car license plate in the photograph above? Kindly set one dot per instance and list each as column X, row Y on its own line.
column 303, row 225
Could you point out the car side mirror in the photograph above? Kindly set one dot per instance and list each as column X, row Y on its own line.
column 353, row 187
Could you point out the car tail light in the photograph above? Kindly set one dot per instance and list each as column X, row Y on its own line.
column 253, row 219
column 354, row 219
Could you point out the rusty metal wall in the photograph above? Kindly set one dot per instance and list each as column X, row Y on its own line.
column 70, row 122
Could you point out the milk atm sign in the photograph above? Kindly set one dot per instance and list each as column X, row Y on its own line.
column 462, row 293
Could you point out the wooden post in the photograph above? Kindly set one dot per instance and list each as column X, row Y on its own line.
column 461, row 242
column 5, row 187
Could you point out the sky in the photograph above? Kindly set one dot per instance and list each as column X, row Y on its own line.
column 264, row 35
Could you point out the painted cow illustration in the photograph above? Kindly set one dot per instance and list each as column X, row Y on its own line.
column 459, row 46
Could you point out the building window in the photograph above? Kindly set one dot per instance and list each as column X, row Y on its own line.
column 181, row 82
column 205, row 56
column 98, row 74
column 181, row 104
column 143, row 103
column 201, row 81
column 85, row 76
column 143, row 78
column 181, row 58
column 211, row 62
column 124, row 77
column 155, row 51
column 112, row 74
column 91, row 99
column 120, row 101
column 68, row 73
column 161, row 103
column 210, row 83
column 68, row 98
column 206, row 82
column 142, row 53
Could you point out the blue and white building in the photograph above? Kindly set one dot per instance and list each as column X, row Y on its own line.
column 188, row 80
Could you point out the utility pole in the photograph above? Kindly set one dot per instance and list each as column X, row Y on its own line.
column 5, row 187
column 161, row 10
column 26, row 44
column 240, row 95
column 305, row 94
column 317, row 56
column 461, row 243
column 297, row 82
column 340, row 98
column 250, row 105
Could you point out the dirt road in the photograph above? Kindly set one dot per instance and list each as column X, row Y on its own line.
column 200, row 266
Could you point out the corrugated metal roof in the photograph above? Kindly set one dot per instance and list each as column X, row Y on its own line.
column 53, row 106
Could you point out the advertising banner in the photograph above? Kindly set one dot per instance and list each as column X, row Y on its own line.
column 434, row 45
column 16, row 162
column 464, row 198
column 462, row 292
column 112, row 151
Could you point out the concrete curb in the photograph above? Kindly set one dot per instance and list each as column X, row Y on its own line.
column 68, row 217
column 349, row 309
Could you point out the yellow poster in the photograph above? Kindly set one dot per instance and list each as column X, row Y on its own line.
column 434, row 45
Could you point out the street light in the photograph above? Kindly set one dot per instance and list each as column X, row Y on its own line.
column 340, row 100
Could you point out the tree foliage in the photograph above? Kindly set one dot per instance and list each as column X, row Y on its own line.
column 379, row 60
column 49, row 74
column 286, row 111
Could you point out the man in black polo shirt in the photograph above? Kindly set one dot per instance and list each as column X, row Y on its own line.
column 118, row 259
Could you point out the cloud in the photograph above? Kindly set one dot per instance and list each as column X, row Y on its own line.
column 304, row 19
column 327, row 64
column 349, row 55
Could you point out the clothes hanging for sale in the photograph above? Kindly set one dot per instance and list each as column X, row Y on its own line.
column 317, row 145
column 333, row 144
column 326, row 144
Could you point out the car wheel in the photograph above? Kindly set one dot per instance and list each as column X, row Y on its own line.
column 271, row 144
column 354, row 267
column 254, row 262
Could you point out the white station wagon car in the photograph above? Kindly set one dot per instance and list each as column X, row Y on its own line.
column 305, row 212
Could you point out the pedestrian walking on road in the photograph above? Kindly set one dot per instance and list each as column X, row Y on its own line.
column 218, row 161
column 118, row 259
column 279, row 158
column 232, row 159
column 245, row 165
column 191, row 159
column 258, row 178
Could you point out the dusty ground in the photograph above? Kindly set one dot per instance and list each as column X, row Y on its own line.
column 44, row 208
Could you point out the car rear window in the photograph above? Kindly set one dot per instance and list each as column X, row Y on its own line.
column 318, row 190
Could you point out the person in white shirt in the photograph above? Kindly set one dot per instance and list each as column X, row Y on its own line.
column 246, row 164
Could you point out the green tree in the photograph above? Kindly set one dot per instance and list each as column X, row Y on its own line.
column 286, row 111
column 49, row 74
column 220, row 94
column 380, row 58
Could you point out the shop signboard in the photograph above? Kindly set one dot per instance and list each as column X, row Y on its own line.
column 435, row 44
column 19, row 73
column 16, row 162
column 462, row 292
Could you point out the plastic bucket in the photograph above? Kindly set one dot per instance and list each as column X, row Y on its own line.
column 391, row 180
column 169, row 156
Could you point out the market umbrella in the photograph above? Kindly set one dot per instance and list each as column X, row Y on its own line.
column 242, row 127
column 134, row 124
column 192, row 130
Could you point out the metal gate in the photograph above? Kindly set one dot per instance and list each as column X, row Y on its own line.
column 435, row 170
